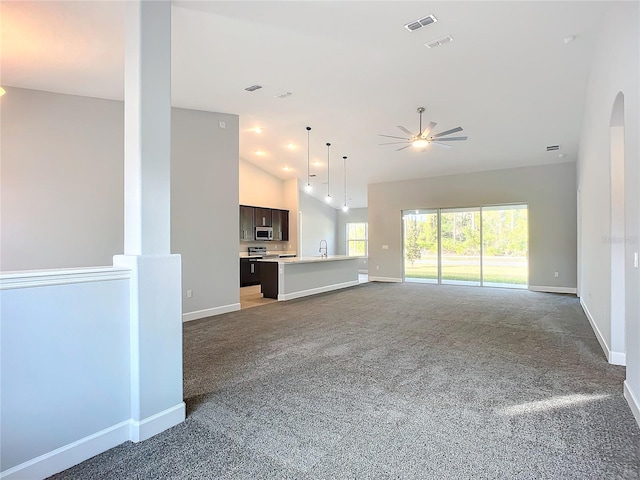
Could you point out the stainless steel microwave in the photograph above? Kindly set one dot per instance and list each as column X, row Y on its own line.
column 264, row 233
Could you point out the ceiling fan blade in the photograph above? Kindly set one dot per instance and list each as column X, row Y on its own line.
column 405, row 130
column 451, row 139
column 427, row 130
column 441, row 145
column 453, row 130
column 397, row 150
column 394, row 143
column 391, row 136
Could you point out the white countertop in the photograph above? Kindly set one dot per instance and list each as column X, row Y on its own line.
column 280, row 253
column 293, row 260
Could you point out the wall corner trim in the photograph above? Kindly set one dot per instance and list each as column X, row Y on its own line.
column 385, row 279
column 150, row 426
column 618, row 358
column 632, row 400
column 210, row 312
column 546, row 289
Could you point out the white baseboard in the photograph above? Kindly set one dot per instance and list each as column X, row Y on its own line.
column 210, row 312
column 596, row 330
column 71, row 454
column 614, row 358
column 633, row 402
column 77, row 452
column 314, row 291
column 157, row 423
column 618, row 358
column 535, row 288
column 385, row 279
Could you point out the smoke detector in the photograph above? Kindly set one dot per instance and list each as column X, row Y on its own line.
column 422, row 22
column 439, row 41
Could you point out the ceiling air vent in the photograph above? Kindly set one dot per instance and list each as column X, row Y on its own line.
column 422, row 22
column 440, row 41
column 253, row 88
column 551, row 148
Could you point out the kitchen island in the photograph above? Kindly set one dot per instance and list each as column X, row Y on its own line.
column 289, row 278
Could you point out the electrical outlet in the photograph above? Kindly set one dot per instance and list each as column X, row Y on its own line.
column 385, row 247
column 222, row 124
column 189, row 293
column 377, row 267
column 555, row 274
column 635, row 259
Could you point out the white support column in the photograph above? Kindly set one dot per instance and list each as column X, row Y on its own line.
column 155, row 300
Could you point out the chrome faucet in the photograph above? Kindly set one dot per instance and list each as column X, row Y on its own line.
column 324, row 255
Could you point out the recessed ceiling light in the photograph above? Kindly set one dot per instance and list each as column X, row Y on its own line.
column 287, row 169
column 253, row 88
column 283, row 95
column 569, row 39
column 317, row 163
column 291, row 145
column 260, row 153
column 439, row 41
column 561, row 155
column 421, row 22
column 257, row 130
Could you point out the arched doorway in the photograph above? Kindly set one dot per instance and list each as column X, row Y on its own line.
column 617, row 232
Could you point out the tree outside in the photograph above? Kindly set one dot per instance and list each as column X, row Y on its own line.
column 504, row 245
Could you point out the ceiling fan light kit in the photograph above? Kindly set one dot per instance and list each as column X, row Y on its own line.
column 423, row 138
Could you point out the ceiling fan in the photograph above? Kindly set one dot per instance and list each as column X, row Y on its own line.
column 424, row 138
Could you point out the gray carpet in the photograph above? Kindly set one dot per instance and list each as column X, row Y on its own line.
column 393, row 381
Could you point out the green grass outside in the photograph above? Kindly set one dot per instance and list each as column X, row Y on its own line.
column 492, row 273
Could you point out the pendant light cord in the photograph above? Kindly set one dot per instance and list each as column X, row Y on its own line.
column 328, row 189
column 345, row 180
column 308, row 171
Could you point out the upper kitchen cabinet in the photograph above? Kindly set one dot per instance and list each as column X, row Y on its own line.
column 247, row 225
column 262, row 217
column 280, row 224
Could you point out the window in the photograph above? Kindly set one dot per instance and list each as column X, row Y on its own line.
column 357, row 239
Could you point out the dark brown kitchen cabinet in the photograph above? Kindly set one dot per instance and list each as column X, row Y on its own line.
column 262, row 217
column 247, row 225
column 249, row 272
column 252, row 217
column 280, row 224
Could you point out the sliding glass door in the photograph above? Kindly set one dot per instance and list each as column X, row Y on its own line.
column 467, row 246
column 421, row 246
column 505, row 232
column 460, row 237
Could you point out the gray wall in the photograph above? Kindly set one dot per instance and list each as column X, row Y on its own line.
column 204, row 207
column 614, row 69
column 62, row 187
column 62, row 190
column 550, row 192
column 65, row 366
column 317, row 222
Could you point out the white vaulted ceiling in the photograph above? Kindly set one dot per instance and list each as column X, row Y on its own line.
column 353, row 71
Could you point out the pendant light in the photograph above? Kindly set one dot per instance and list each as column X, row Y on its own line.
column 345, row 208
column 308, row 187
column 328, row 197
